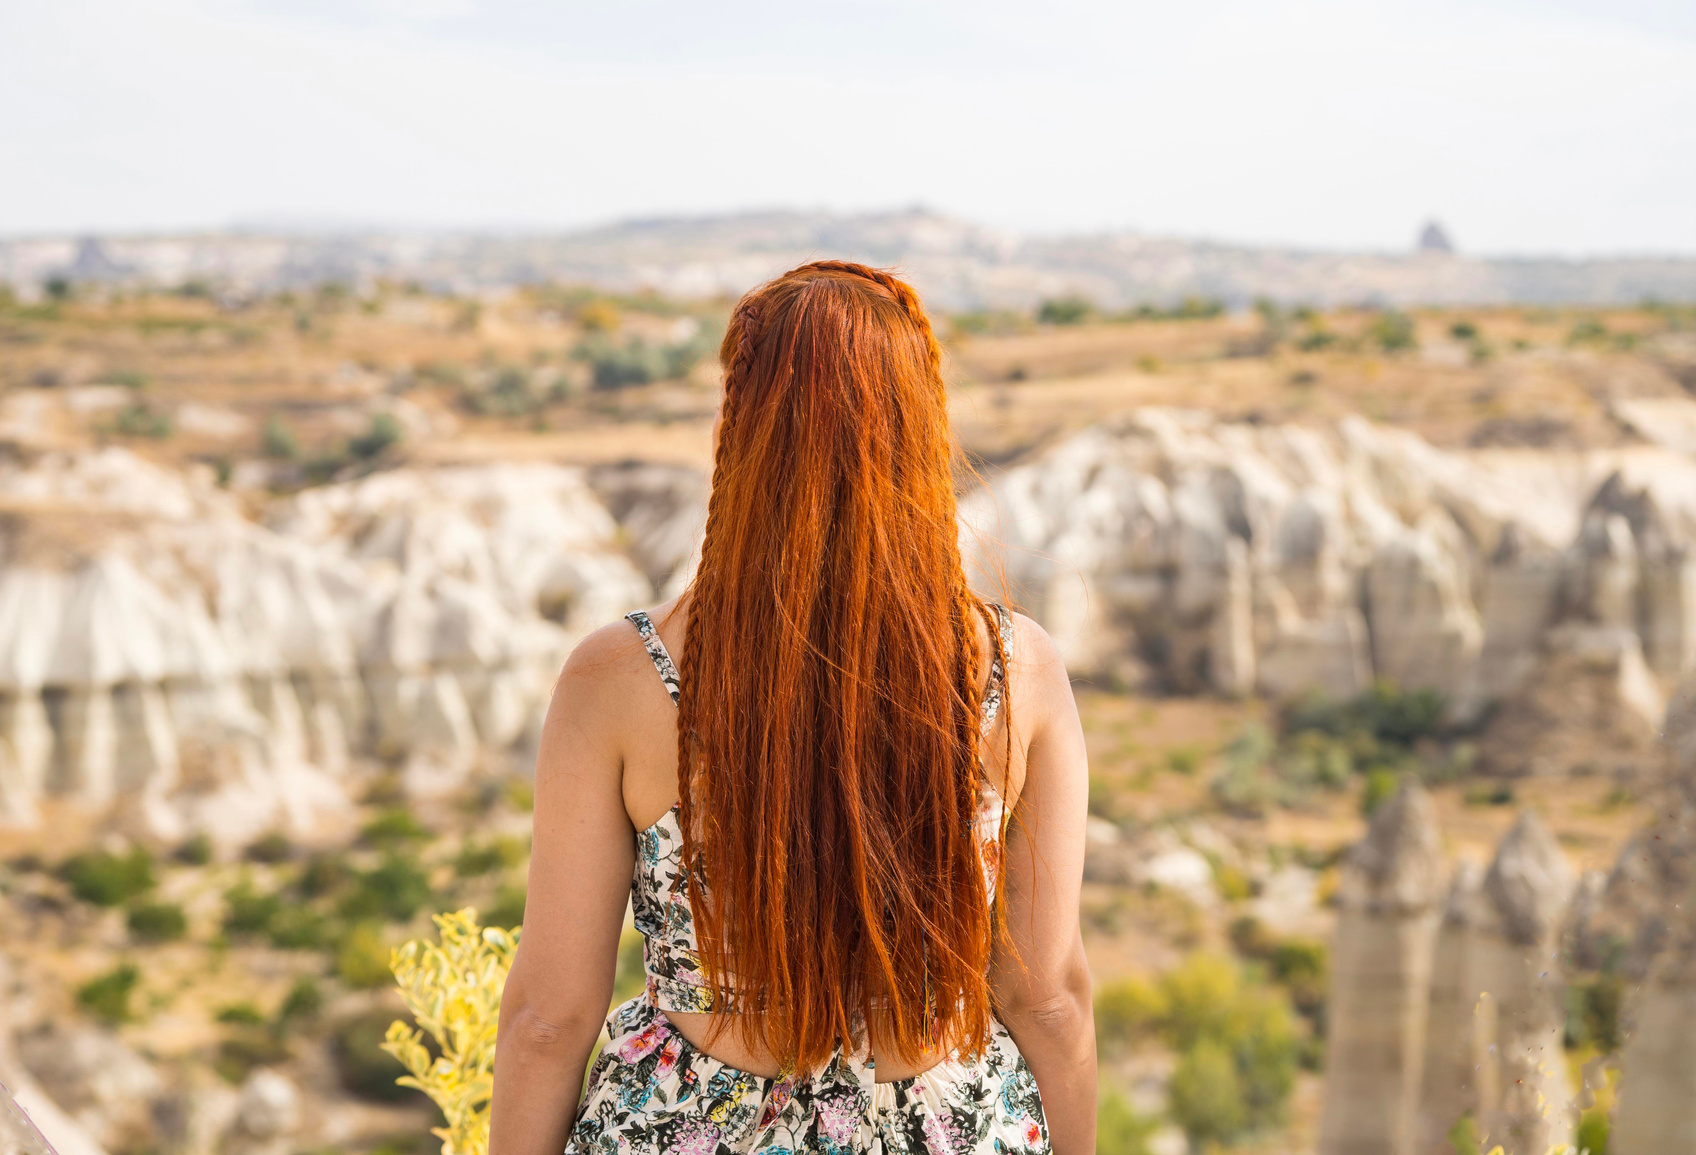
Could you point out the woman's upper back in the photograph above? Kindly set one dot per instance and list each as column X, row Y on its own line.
column 659, row 887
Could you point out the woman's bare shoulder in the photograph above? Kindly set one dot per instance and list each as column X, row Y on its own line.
column 610, row 664
column 1034, row 653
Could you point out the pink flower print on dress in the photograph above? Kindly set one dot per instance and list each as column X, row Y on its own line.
column 695, row 1137
column 837, row 1118
column 1033, row 1133
column 642, row 1045
column 943, row 1136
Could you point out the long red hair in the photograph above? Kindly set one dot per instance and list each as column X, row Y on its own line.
column 828, row 738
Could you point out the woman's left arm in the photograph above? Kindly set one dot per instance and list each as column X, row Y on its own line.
column 584, row 847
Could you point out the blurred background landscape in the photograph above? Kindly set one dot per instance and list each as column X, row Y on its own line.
column 1357, row 484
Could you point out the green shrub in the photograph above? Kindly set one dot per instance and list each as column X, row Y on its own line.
column 987, row 321
column 384, row 433
column 157, row 922
column 323, row 874
column 106, row 879
column 1128, row 1009
column 478, row 858
column 248, row 1046
column 1206, row 1096
column 1587, row 331
column 1381, row 786
column 1183, row 760
column 298, row 928
column 1065, row 311
column 394, row 889
column 248, row 911
column 1302, row 967
column 142, row 420
column 1245, row 783
column 271, row 847
column 521, row 792
column 393, row 827
column 1392, row 331
column 507, row 910
column 1120, row 1129
column 1250, row 938
column 362, row 1066
column 1236, row 1041
column 303, row 1002
column 1384, row 713
column 107, row 996
column 362, row 959
column 1593, row 1012
column 127, row 378
column 196, row 851
column 278, row 441
column 1591, row 1138
column 510, row 394
column 1464, row 1137
column 240, row 1014
column 636, row 362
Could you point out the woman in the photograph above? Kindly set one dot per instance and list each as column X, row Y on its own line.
column 850, row 816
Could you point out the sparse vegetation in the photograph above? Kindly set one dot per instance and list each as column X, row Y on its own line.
column 362, row 959
column 384, row 433
column 107, row 996
column 106, row 879
column 143, row 420
column 278, row 440
column 156, row 922
column 1065, row 311
column 1392, row 331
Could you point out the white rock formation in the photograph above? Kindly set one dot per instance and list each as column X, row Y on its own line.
column 47, row 1118
column 100, row 1083
column 1448, row 1086
column 1381, row 975
column 1656, row 1112
column 167, row 660
column 1524, row 1102
column 1283, row 559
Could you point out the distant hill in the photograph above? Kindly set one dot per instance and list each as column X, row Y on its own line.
column 956, row 264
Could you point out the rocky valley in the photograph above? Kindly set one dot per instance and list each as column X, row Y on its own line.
column 1352, row 599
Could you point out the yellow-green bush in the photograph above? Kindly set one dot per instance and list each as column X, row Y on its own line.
column 454, row 992
column 1127, row 1009
column 1236, row 1039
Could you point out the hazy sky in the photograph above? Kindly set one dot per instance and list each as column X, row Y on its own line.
column 1532, row 126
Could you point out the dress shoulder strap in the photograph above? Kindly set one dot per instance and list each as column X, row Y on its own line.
column 997, row 691
column 657, row 651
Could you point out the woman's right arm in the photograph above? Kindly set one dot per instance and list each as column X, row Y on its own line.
column 580, row 863
column 1042, row 985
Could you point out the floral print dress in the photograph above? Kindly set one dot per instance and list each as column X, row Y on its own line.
column 652, row 1093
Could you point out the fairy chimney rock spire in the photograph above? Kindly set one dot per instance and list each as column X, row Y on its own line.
column 1529, row 883
column 1679, row 734
column 1397, row 867
column 1447, row 1088
column 1380, row 981
column 1522, row 1094
column 1460, row 905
